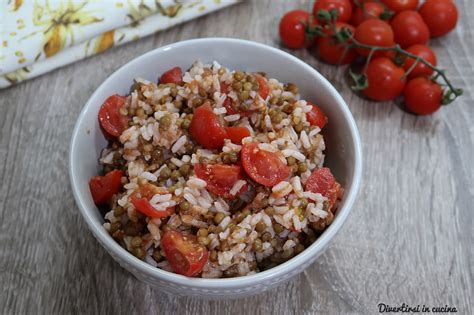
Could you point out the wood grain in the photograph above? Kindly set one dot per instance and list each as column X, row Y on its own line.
column 408, row 239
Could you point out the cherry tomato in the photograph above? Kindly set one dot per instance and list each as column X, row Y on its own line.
column 333, row 53
column 140, row 201
column 174, row 75
column 420, row 69
column 344, row 8
column 111, row 121
column 323, row 182
column 422, row 96
column 236, row 134
column 104, row 187
column 401, row 5
column 409, row 29
column 316, row 117
column 264, row 167
column 206, row 129
column 385, row 80
column 263, row 89
column 184, row 253
column 441, row 16
column 293, row 29
column 375, row 33
column 221, row 178
column 373, row 10
column 225, row 87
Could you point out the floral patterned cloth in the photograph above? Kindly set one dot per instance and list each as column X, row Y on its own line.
column 41, row 35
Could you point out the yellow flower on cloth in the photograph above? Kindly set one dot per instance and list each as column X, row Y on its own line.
column 41, row 35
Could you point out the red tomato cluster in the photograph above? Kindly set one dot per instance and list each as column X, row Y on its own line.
column 382, row 23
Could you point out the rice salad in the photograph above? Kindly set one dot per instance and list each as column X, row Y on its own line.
column 214, row 173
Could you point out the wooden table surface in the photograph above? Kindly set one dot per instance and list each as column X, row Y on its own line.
column 408, row 239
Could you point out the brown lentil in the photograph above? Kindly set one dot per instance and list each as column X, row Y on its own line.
column 260, row 226
column 257, row 245
column 165, row 173
column 203, row 240
column 136, row 241
column 118, row 211
column 139, row 252
column 302, row 167
column 213, row 255
column 278, row 227
column 219, row 217
column 266, row 236
column 269, row 210
column 202, row 232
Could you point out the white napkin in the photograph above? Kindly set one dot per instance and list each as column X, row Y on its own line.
column 40, row 35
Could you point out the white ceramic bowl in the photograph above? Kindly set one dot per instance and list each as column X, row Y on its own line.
column 343, row 154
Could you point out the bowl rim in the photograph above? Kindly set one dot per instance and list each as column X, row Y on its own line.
column 317, row 247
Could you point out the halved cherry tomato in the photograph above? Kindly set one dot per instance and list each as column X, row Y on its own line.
column 104, row 187
column 111, row 121
column 316, row 117
column 206, row 129
column 374, row 33
column 228, row 106
column 262, row 166
column 330, row 51
column 385, row 80
column 323, row 182
column 183, row 252
column 174, row 75
column 441, row 16
column 422, row 96
column 401, row 5
column 224, row 87
column 140, row 201
column 424, row 52
column 292, row 28
column 220, row 178
column 263, row 89
column 344, row 8
column 409, row 29
column 372, row 10
column 236, row 134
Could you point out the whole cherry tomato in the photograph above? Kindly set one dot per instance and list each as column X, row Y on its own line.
column 344, row 8
column 375, row 33
column 104, row 187
column 264, row 167
column 330, row 51
column 420, row 69
column 385, row 80
column 206, row 129
column 174, row 75
column 221, row 178
column 422, row 96
column 184, row 253
column 441, row 16
column 401, row 5
column 112, row 122
column 409, row 29
column 316, row 117
column 372, row 10
column 293, row 28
